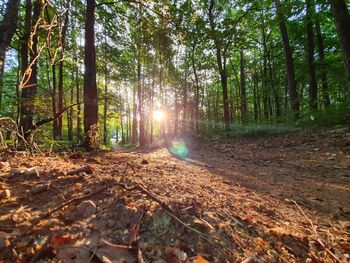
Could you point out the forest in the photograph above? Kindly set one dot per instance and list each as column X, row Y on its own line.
column 174, row 131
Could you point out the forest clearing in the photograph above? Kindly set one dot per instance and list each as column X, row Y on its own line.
column 174, row 131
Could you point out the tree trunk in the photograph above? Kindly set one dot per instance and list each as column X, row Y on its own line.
column 29, row 92
column 243, row 91
column 293, row 94
column 60, row 72
column 310, row 55
column 56, row 131
column 90, row 87
column 105, row 97
column 8, row 28
column 341, row 17
column 77, row 87
column 323, row 71
column 184, row 103
column 134, row 117
column 142, row 138
column 221, row 63
column 70, row 112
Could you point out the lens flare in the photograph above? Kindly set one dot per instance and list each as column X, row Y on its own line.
column 158, row 115
column 179, row 149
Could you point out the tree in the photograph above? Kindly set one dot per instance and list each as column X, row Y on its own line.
column 310, row 54
column 341, row 17
column 90, row 86
column 8, row 28
column 293, row 94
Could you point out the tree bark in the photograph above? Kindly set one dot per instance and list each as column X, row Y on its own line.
column 341, row 17
column 8, row 28
column 293, row 94
column 243, row 90
column 60, row 71
column 221, row 63
column 142, row 138
column 90, row 87
column 29, row 92
column 310, row 55
column 322, row 65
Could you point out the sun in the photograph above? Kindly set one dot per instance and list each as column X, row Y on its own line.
column 158, row 115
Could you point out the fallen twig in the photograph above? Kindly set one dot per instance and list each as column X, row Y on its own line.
column 318, row 239
column 129, row 165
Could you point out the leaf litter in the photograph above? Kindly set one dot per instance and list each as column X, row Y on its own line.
column 230, row 201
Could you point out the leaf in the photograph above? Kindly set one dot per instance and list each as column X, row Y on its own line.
column 57, row 241
column 200, row 259
column 110, row 253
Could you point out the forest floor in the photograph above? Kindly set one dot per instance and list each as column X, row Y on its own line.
column 270, row 199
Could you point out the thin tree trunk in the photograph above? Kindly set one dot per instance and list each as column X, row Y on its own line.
column 221, row 63
column 142, row 138
column 243, row 90
column 293, row 94
column 60, row 72
column 184, row 103
column 70, row 112
column 323, row 71
column 310, row 55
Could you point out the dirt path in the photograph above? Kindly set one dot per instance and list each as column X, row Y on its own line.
column 281, row 199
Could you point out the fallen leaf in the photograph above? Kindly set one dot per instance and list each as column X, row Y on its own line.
column 57, row 241
column 110, row 253
column 200, row 259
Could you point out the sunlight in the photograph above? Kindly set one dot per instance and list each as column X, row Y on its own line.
column 158, row 115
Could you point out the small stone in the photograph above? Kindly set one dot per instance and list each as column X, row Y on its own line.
column 40, row 188
column 144, row 161
column 31, row 172
column 86, row 208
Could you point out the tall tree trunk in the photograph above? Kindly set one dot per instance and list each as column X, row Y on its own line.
column 310, row 55
column 293, row 94
column 255, row 96
column 105, row 97
column 323, row 71
column 134, row 117
column 70, row 111
column 341, row 17
column 78, row 99
column 275, row 90
column 196, row 102
column 90, row 87
column 56, row 132
column 60, row 72
column 142, row 138
column 221, row 63
column 184, row 103
column 243, row 91
column 29, row 92
column 8, row 28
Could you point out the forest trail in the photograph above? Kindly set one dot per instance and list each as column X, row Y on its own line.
column 249, row 198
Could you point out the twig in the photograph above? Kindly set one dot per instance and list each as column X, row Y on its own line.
column 318, row 239
column 129, row 165
column 166, row 208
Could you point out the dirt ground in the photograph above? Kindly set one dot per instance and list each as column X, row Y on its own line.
column 271, row 199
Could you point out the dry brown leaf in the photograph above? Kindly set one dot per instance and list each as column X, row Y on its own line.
column 110, row 253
